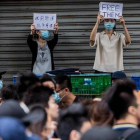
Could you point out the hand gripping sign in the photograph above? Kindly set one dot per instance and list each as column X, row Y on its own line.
column 44, row 21
column 111, row 10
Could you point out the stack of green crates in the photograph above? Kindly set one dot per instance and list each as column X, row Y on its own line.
column 87, row 85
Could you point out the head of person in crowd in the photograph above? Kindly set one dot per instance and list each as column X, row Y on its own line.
column 12, row 128
column 46, row 80
column 124, row 101
column 43, row 95
column 73, row 122
column 102, row 115
column 36, row 119
column 100, row 133
column 98, row 112
column 24, row 81
column 118, row 75
column 12, row 108
column 1, row 81
column 64, row 95
column 89, row 104
column 8, row 92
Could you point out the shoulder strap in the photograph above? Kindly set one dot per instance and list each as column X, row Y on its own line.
column 128, row 133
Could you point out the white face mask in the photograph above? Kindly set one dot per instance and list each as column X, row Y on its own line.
column 1, row 84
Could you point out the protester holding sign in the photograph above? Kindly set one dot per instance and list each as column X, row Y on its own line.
column 42, row 49
column 109, row 51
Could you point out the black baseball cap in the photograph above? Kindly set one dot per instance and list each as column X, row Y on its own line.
column 12, row 108
column 118, row 75
column 37, row 114
column 100, row 133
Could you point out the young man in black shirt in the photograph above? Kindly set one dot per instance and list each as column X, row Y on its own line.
column 124, row 102
column 64, row 97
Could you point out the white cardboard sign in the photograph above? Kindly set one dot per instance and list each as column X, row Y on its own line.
column 111, row 10
column 44, row 21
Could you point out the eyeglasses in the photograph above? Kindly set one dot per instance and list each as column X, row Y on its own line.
column 60, row 90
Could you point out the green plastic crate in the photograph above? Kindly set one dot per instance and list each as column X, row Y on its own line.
column 88, row 85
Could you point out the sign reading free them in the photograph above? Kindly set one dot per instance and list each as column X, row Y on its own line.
column 111, row 10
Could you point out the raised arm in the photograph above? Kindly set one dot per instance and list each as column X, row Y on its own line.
column 127, row 35
column 30, row 41
column 52, row 43
column 94, row 30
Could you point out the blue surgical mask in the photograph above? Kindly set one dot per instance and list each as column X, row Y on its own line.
column 56, row 97
column 45, row 34
column 1, row 84
column 109, row 25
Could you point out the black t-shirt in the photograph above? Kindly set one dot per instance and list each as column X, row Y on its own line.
column 121, row 130
column 77, row 99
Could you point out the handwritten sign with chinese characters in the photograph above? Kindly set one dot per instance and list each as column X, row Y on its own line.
column 44, row 21
column 111, row 10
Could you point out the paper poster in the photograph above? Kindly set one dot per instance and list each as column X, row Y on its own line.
column 44, row 21
column 111, row 10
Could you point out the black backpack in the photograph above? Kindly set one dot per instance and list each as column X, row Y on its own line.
column 126, row 134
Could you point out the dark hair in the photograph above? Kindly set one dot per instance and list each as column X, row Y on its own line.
column 102, row 115
column 72, row 118
column 46, row 78
column 63, row 81
column 37, row 108
column 25, row 81
column 89, row 104
column 38, row 94
column 120, row 96
column 100, row 133
column 98, row 112
column 114, row 26
column 9, row 92
column 35, row 35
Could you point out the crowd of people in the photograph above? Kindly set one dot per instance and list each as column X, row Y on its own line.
column 44, row 108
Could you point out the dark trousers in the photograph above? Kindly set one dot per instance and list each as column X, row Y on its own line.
column 96, row 71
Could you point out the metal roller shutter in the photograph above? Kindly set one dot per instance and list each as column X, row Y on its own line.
column 76, row 19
